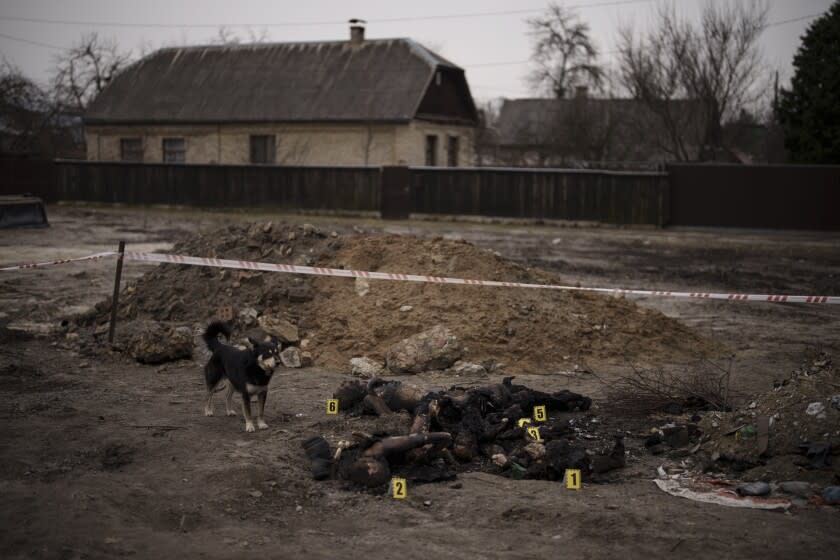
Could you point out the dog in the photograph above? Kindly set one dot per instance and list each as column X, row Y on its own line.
column 247, row 371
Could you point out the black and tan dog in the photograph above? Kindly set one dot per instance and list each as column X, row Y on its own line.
column 247, row 371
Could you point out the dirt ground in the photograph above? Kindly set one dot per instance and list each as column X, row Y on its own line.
column 104, row 457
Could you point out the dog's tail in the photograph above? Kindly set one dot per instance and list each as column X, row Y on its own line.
column 211, row 335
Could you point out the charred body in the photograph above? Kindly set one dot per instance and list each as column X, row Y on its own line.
column 457, row 430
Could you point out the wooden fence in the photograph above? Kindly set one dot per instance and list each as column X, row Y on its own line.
column 768, row 196
column 559, row 194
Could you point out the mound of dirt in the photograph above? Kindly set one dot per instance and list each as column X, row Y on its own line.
column 526, row 330
column 803, row 436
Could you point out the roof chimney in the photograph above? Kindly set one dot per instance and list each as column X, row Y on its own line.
column 357, row 31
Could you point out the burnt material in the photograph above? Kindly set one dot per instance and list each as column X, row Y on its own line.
column 465, row 428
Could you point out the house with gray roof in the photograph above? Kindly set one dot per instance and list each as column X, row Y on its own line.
column 579, row 130
column 356, row 102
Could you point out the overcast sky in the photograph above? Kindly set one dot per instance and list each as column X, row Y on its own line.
column 493, row 47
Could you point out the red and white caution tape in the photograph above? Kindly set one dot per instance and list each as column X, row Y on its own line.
column 318, row 271
column 94, row 257
column 345, row 273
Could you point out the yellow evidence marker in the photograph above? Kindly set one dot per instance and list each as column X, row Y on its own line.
column 399, row 488
column 332, row 406
column 534, row 432
column 522, row 421
column 539, row 413
column 573, row 479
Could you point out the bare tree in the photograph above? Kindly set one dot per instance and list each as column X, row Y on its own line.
column 32, row 123
column 226, row 36
column 84, row 70
column 565, row 55
column 691, row 79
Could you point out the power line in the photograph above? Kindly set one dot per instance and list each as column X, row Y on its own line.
column 476, row 65
column 36, row 43
column 308, row 23
column 784, row 21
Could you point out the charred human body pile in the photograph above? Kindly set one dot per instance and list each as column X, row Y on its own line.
column 460, row 429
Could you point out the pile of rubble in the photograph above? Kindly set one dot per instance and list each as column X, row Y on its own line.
column 782, row 444
column 338, row 318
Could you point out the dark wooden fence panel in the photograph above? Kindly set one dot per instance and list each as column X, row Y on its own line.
column 21, row 175
column 561, row 194
column 304, row 188
column 759, row 196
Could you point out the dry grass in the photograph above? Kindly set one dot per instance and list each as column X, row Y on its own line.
column 644, row 392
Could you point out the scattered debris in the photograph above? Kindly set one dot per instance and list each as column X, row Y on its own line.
column 720, row 493
column 753, row 489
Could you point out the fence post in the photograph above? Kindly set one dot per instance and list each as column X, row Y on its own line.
column 115, row 301
column 395, row 198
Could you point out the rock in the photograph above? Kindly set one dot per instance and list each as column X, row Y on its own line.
column 309, row 229
column 815, row 409
column 433, row 349
column 835, row 401
column 797, row 488
column 753, row 489
column 248, row 316
column 362, row 286
column 291, row 357
column 406, row 308
column 535, row 450
column 468, row 368
column 831, row 495
column 365, row 367
column 299, row 294
column 157, row 343
column 256, row 494
column 282, row 329
column 306, row 359
column 427, row 503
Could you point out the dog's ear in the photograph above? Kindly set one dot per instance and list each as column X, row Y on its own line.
column 252, row 343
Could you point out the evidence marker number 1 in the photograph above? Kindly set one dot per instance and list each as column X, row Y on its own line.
column 332, row 406
column 399, row 488
column 573, row 479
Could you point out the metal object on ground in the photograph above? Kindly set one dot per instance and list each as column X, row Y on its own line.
column 22, row 211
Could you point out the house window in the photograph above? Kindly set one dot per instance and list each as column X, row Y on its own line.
column 174, row 150
column 452, row 151
column 262, row 149
column 131, row 149
column 431, row 150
